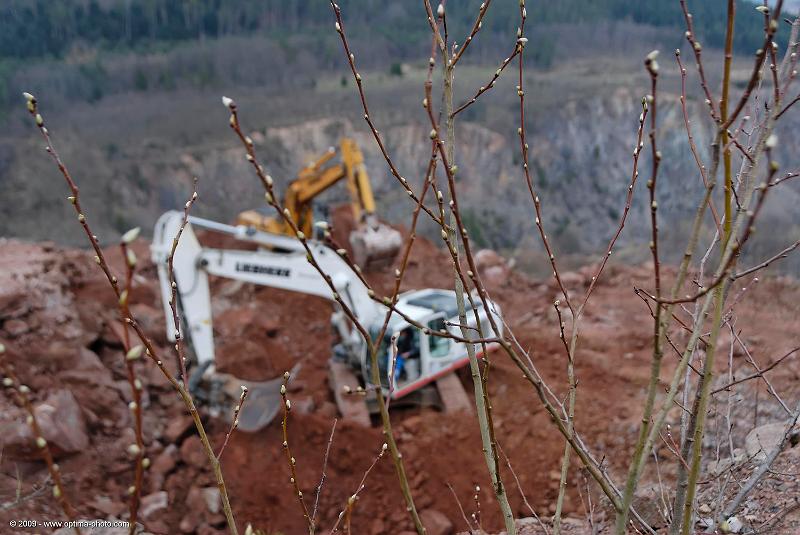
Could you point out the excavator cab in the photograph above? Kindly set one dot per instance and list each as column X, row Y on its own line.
column 374, row 244
column 400, row 362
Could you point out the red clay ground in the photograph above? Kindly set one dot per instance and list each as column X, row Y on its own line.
column 54, row 316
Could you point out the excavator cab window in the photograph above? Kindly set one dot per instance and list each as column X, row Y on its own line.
column 407, row 365
column 438, row 346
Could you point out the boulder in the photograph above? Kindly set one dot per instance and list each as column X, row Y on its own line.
column 62, row 425
column 493, row 268
column 83, row 371
column 161, row 466
column 763, row 439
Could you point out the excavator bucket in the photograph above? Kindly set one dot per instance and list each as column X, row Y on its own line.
column 263, row 401
column 375, row 246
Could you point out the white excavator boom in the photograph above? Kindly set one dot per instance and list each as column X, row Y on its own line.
column 283, row 266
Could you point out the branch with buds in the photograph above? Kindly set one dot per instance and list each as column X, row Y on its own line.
column 21, row 394
column 146, row 347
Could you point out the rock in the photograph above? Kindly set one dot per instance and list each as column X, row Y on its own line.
column 153, row 503
column 718, row 467
column 178, row 427
column 203, row 504
column 150, row 318
column 492, row 267
column 763, row 439
column 161, row 466
column 83, row 371
column 245, row 321
column 495, row 275
column 68, row 357
column 62, row 425
column 732, row 525
column 124, row 389
column 159, row 527
column 14, row 302
column 485, row 258
column 15, row 327
column 213, row 499
column 195, row 501
column 378, row 526
column 107, row 506
column 436, row 522
column 724, row 344
column 189, row 522
column 192, row 452
column 648, row 503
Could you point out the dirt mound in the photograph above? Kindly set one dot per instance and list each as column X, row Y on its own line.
column 56, row 314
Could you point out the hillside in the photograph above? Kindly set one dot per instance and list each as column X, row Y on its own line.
column 136, row 112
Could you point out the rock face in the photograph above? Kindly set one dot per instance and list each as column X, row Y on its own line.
column 580, row 158
column 62, row 425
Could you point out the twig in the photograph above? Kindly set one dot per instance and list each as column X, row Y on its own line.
column 324, row 467
column 461, row 508
column 762, row 470
column 290, row 460
column 135, row 384
column 21, row 394
column 759, row 373
column 235, row 422
column 147, row 347
column 767, row 262
column 351, row 501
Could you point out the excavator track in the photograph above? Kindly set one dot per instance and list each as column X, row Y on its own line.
column 452, row 394
column 352, row 407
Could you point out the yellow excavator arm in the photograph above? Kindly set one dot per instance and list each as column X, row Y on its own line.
column 357, row 180
column 373, row 242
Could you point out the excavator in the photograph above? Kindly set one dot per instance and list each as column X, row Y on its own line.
column 280, row 261
column 373, row 243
